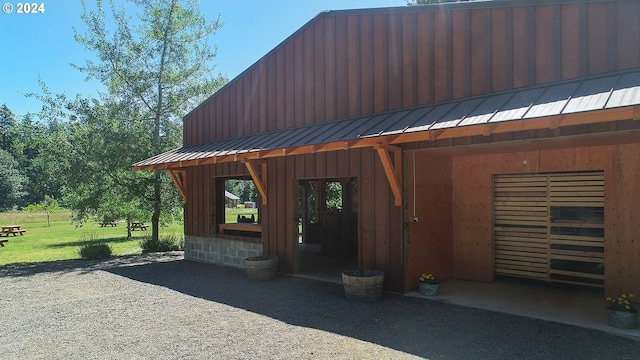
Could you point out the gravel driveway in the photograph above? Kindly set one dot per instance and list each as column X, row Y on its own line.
column 158, row 306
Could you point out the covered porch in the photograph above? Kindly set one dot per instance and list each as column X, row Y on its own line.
column 572, row 305
column 566, row 304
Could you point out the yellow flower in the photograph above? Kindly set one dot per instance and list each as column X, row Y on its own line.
column 631, row 296
column 609, row 298
column 627, row 307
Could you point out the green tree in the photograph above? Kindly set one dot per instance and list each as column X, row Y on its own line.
column 27, row 141
column 160, row 62
column 49, row 206
column 99, row 146
column 7, row 127
column 244, row 189
column 12, row 181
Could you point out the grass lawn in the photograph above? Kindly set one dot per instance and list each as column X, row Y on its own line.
column 231, row 214
column 62, row 240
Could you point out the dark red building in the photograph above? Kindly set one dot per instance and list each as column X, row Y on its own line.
column 507, row 129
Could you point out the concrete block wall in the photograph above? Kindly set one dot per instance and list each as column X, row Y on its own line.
column 220, row 251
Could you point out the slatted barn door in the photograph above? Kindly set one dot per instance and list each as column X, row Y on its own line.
column 521, row 218
column 550, row 227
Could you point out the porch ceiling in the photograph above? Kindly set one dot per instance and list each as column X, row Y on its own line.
column 609, row 97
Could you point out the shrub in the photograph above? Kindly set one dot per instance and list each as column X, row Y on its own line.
column 95, row 251
column 171, row 242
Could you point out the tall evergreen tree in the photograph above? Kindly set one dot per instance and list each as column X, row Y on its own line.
column 12, row 181
column 7, row 124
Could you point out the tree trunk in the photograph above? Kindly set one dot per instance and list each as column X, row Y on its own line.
column 155, row 218
column 128, row 227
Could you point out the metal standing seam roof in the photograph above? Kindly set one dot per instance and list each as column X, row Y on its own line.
column 580, row 95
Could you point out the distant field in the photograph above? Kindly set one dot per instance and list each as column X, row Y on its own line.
column 62, row 240
column 231, row 214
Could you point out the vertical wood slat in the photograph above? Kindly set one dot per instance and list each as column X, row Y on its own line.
column 298, row 80
column 379, row 60
column 502, row 40
column 290, row 230
column 572, row 50
column 409, row 61
column 353, row 69
column 394, row 62
column 308, row 69
column 289, row 85
column 366, row 64
column 480, row 54
column 523, row 46
column 425, row 54
column 627, row 32
column 330, row 82
column 460, row 50
column 341, row 66
column 318, row 70
column 442, row 57
column 280, row 91
column 389, row 60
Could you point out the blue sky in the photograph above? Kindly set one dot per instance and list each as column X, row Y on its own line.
column 42, row 45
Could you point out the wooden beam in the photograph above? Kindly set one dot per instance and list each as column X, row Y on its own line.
column 555, row 122
column 393, row 170
column 258, row 180
column 179, row 178
column 434, row 134
column 488, row 129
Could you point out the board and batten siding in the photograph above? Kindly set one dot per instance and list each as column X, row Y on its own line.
column 350, row 63
column 380, row 238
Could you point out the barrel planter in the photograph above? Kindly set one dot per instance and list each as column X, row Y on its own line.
column 363, row 285
column 263, row 267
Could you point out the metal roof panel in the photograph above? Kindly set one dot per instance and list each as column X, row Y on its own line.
column 455, row 116
column 403, row 124
column 592, row 94
column 552, row 101
column 378, row 123
column 483, row 112
column 626, row 91
column 432, row 117
column 607, row 91
column 517, row 106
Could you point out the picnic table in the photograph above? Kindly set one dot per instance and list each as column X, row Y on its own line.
column 10, row 229
column 138, row 225
column 108, row 222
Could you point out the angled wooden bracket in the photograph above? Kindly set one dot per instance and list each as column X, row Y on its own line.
column 179, row 178
column 393, row 169
column 260, row 180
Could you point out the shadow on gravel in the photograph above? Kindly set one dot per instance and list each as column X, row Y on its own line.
column 85, row 266
column 420, row 327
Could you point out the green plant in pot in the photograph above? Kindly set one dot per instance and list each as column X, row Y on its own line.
column 263, row 267
column 622, row 312
column 429, row 285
